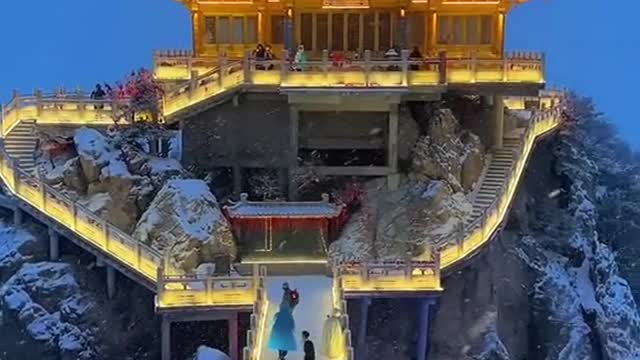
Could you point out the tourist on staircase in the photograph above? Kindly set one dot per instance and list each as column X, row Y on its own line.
column 309, row 348
column 282, row 336
column 333, row 343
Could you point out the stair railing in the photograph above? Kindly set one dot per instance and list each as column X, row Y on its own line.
column 144, row 260
column 472, row 236
column 256, row 335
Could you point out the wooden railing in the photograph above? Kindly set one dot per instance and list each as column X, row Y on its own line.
column 176, row 290
column 470, row 238
column 60, row 107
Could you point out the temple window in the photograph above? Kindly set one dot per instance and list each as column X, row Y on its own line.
column 210, row 29
column 369, row 31
column 353, row 32
column 277, row 29
column 322, row 31
column 415, row 29
column 384, row 25
column 337, row 32
column 306, row 30
column 231, row 30
column 465, row 30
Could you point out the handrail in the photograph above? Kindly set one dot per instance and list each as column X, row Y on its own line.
column 258, row 321
column 145, row 261
column 481, row 230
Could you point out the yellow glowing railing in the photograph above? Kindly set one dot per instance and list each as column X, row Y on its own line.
column 174, row 291
column 340, row 303
column 258, row 321
column 369, row 73
column 192, row 290
column 61, row 108
column 482, row 230
column 174, row 65
column 404, row 275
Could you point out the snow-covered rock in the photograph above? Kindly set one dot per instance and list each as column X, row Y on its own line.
column 448, row 153
column 16, row 247
column 184, row 219
column 207, row 353
column 45, row 300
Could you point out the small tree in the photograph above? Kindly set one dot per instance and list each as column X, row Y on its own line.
column 140, row 98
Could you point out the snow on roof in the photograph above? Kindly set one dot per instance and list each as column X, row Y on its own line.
column 306, row 209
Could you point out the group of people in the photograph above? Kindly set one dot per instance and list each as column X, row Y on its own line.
column 282, row 338
column 263, row 53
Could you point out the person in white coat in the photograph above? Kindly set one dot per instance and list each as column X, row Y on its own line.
column 333, row 341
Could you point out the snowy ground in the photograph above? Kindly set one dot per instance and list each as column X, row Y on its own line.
column 315, row 305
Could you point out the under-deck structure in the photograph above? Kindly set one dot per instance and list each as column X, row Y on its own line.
column 326, row 103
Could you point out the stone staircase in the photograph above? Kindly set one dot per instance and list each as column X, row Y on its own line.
column 21, row 143
column 495, row 177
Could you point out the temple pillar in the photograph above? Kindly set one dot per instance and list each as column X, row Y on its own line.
column 362, row 326
column 233, row 336
column 423, row 329
column 166, row 338
column 498, row 121
column 111, row 282
column 294, row 119
column 54, row 245
column 288, row 33
column 403, row 34
column 392, row 148
column 17, row 217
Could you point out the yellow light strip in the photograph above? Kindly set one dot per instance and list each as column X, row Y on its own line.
column 263, row 326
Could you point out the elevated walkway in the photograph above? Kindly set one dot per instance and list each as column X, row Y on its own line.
column 177, row 291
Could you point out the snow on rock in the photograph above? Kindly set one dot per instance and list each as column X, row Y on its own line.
column 207, row 353
column 94, row 152
column 448, row 153
column 16, row 247
column 184, row 218
column 44, row 298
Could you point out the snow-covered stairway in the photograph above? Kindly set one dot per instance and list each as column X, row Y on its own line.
column 495, row 177
column 21, row 143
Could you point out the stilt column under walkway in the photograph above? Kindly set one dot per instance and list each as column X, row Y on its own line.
column 17, row 217
column 166, row 338
column 54, row 245
column 423, row 328
column 233, row 336
column 111, row 281
column 362, row 326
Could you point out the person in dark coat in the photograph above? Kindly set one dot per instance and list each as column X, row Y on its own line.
column 309, row 348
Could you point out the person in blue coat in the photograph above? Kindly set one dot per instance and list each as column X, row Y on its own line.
column 282, row 338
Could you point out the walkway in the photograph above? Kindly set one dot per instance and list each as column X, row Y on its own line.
column 315, row 303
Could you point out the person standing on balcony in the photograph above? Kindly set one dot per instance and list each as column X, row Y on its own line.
column 300, row 59
column 415, row 56
column 98, row 94
column 258, row 55
column 269, row 56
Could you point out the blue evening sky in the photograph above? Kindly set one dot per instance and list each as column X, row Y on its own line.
column 46, row 44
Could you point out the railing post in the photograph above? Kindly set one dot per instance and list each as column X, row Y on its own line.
column 105, row 232
column 543, row 67
column 222, row 62
column 505, row 68
column 247, row 68
column 442, row 68
column 325, row 65
column 17, row 104
column 74, row 213
column 284, row 66
column 208, row 286
column 80, row 99
column 39, row 104
column 474, row 66
column 193, row 83
column 367, row 67
column 160, row 282
column 43, row 191
column 405, row 67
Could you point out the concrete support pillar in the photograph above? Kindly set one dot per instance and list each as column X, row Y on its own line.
column 100, row 262
column 423, row 329
column 54, row 245
column 166, row 339
column 233, row 336
column 294, row 119
column 111, row 281
column 17, row 217
column 362, row 327
column 498, row 121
